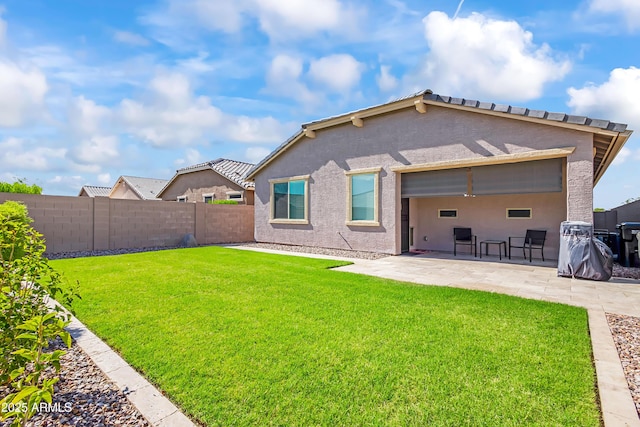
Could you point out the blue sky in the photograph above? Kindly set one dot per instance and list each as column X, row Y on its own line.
column 91, row 90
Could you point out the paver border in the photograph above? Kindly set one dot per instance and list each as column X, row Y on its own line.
column 616, row 402
column 154, row 407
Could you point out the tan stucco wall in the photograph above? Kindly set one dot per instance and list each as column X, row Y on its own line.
column 122, row 190
column 486, row 215
column 404, row 138
column 83, row 224
column 195, row 185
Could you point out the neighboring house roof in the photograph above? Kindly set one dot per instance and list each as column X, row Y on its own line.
column 95, row 191
column 232, row 170
column 145, row 188
column 609, row 137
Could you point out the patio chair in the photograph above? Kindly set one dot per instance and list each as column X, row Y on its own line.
column 463, row 236
column 534, row 239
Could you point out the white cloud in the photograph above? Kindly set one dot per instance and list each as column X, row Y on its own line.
column 104, row 179
column 22, row 92
column 339, row 72
column 255, row 154
column 130, row 38
column 614, row 99
column 191, row 157
column 170, row 114
column 223, row 15
column 86, row 118
column 283, row 78
column 278, row 19
column 628, row 9
column 65, row 183
column 255, row 130
column 485, row 58
column 18, row 154
column 3, row 28
column 386, row 81
column 622, row 156
column 96, row 150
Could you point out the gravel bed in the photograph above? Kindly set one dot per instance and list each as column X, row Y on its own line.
column 342, row 253
column 84, row 397
column 628, row 272
column 626, row 334
column 82, row 254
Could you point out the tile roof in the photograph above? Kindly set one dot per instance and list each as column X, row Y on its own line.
column 602, row 160
column 521, row 111
column 146, row 188
column 233, row 170
column 95, row 191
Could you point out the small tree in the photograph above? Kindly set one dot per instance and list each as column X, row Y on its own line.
column 27, row 322
column 20, row 186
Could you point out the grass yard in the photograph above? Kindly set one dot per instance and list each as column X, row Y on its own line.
column 239, row 338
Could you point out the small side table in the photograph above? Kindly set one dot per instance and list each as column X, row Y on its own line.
column 501, row 244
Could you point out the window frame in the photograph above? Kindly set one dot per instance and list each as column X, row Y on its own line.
column 272, row 206
column 520, row 209
column 235, row 193
column 205, row 196
column 447, row 217
column 375, row 171
column 181, row 199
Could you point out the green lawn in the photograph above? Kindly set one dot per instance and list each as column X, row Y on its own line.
column 239, row 338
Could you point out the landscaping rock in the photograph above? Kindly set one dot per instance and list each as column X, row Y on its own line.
column 84, row 396
column 626, row 335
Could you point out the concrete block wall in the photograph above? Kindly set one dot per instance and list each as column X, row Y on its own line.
column 227, row 223
column 71, row 224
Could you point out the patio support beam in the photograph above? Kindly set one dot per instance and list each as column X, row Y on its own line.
column 527, row 156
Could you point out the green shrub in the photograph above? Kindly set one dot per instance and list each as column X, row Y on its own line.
column 27, row 322
column 20, row 186
column 224, row 202
column 14, row 221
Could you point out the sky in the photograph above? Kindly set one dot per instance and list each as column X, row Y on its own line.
column 92, row 90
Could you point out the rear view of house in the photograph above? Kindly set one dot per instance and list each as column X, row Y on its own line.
column 402, row 175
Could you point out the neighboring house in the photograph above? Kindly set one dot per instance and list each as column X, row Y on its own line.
column 136, row 188
column 94, row 191
column 629, row 212
column 401, row 175
column 220, row 179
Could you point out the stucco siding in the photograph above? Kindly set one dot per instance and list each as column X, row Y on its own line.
column 396, row 139
column 123, row 191
column 195, row 185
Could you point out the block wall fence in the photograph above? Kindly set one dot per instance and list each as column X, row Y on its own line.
column 72, row 224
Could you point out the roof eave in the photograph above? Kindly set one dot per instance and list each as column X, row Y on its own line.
column 616, row 145
column 275, row 153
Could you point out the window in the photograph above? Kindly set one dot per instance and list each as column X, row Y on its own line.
column 524, row 213
column 447, row 213
column 208, row 198
column 289, row 200
column 182, row 199
column 235, row 195
column 362, row 197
